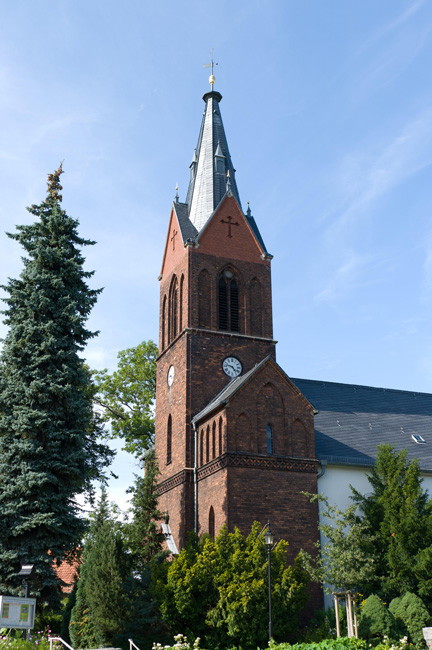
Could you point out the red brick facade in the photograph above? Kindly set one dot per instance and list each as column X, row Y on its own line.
column 252, row 456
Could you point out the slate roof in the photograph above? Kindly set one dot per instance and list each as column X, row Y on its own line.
column 207, row 186
column 352, row 420
column 188, row 230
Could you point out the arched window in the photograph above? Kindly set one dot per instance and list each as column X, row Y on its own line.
column 181, row 304
column 173, row 310
column 214, row 440
column 269, row 438
column 201, row 448
column 208, row 444
column 211, row 527
column 163, row 321
column 169, row 440
column 220, row 437
column 228, row 300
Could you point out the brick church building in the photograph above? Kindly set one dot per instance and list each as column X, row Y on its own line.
column 235, row 437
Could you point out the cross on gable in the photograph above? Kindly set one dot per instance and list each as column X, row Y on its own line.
column 175, row 233
column 230, row 223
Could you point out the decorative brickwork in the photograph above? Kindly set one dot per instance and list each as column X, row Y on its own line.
column 255, row 450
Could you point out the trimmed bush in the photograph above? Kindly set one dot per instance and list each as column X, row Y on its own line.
column 376, row 621
column 411, row 610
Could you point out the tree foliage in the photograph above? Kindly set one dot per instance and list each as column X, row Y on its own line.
column 376, row 621
column 49, row 450
column 143, row 533
column 101, row 604
column 218, row 590
column 398, row 518
column 342, row 560
column 411, row 610
column 113, row 596
column 127, row 397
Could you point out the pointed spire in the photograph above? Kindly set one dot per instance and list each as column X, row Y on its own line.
column 210, row 166
column 176, row 198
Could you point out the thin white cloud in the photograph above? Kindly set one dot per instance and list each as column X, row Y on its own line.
column 396, row 22
column 368, row 175
column 362, row 180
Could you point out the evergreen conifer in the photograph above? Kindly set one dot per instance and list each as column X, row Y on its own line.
column 101, row 610
column 48, row 436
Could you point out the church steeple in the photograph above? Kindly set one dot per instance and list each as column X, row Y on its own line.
column 210, row 165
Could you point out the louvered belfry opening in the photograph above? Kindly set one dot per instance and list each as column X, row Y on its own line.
column 228, row 302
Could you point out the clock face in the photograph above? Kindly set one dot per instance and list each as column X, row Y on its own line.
column 232, row 367
column 170, row 377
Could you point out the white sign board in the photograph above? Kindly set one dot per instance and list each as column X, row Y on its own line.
column 17, row 612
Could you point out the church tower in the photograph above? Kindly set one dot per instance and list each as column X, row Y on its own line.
column 234, row 436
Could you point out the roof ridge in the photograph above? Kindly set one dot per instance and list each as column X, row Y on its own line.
column 364, row 386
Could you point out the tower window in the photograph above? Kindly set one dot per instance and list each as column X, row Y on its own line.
column 169, row 440
column 228, row 302
column 173, row 311
column 269, row 438
column 163, row 322
column 211, row 527
column 214, row 440
column 202, row 448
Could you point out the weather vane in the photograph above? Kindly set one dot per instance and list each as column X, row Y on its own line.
column 211, row 66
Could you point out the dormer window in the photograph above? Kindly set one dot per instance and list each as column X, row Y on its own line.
column 193, row 165
column 219, row 160
column 220, row 165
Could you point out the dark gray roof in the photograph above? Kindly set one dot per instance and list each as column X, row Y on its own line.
column 188, row 230
column 207, row 185
column 256, row 232
column 352, row 420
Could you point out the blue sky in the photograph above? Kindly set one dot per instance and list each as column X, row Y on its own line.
column 327, row 108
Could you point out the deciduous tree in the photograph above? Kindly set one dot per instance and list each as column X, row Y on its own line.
column 342, row 560
column 127, row 397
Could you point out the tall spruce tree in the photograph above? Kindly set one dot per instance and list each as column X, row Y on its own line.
column 48, row 435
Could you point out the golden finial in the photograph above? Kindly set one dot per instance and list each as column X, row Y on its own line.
column 211, row 66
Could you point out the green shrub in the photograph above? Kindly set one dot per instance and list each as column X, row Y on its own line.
column 376, row 621
column 341, row 643
column 411, row 610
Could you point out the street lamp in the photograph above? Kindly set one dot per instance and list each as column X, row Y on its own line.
column 268, row 542
column 26, row 573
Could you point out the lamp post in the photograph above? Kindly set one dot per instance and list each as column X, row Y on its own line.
column 268, row 542
column 26, row 573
